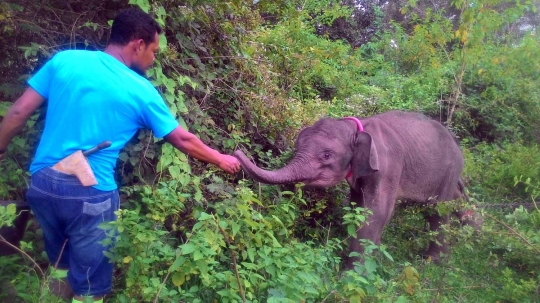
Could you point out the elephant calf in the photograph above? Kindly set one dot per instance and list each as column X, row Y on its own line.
column 387, row 157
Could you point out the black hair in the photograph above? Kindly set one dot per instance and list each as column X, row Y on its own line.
column 131, row 24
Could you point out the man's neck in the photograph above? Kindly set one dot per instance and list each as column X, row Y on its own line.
column 118, row 52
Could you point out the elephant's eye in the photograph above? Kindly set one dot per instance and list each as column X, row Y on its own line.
column 326, row 156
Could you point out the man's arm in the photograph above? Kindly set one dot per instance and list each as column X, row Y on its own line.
column 17, row 115
column 194, row 147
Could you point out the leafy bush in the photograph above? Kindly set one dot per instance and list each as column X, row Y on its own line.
column 252, row 74
column 491, row 170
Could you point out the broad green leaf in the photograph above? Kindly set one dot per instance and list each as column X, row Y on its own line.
column 174, row 171
column 183, row 179
column 251, row 254
column 204, row 216
column 11, row 209
column 177, row 263
column 164, row 161
column 127, row 259
column 162, row 41
column 188, row 248
column 198, row 196
column 275, row 242
column 143, row 4
column 223, row 224
column 178, row 278
column 401, row 299
column 182, row 123
column 351, row 231
column 197, row 255
column 235, row 228
column 251, row 223
column 370, row 265
column 387, row 255
column 362, row 279
column 4, row 106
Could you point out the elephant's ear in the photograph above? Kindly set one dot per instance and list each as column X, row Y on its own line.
column 365, row 160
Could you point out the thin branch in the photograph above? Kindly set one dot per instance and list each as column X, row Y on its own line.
column 72, row 33
column 57, row 17
column 55, row 264
column 161, row 287
column 2, row 239
column 327, row 296
column 233, row 256
column 143, row 158
column 514, row 232
column 534, row 203
column 328, row 234
column 452, row 288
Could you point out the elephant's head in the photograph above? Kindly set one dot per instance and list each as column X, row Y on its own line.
column 325, row 154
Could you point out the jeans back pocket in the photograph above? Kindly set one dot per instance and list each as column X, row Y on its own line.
column 95, row 214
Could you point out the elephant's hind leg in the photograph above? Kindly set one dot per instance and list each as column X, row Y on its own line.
column 448, row 191
column 439, row 244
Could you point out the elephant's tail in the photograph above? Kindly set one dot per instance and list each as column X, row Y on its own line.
column 461, row 187
column 469, row 216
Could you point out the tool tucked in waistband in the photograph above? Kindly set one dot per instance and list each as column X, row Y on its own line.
column 76, row 164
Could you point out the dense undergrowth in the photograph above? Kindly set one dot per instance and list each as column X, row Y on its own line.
column 250, row 76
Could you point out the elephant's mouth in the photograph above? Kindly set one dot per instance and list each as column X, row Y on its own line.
column 312, row 184
column 324, row 180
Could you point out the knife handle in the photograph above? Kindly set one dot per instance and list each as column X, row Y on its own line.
column 96, row 148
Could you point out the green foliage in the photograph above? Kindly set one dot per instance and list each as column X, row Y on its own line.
column 302, row 72
column 225, row 251
column 503, row 107
column 491, row 170
column 13, row 184
column 252, row 74
column 354, row 218
column 21, row 278
column 8, row 214
column 464, row 70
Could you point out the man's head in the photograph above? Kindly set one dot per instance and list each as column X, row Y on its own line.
column 137, row 31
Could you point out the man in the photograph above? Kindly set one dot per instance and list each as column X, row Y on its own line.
column 93, row 97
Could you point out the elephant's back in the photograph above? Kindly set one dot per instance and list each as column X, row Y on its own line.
column 432, row 159
column 404, row 117
column 414, row 124
column 423, row 141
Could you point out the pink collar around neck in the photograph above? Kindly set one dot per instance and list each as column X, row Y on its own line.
column 360, row 129
column 358, row 123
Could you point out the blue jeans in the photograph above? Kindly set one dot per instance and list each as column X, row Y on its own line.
column 69, row 215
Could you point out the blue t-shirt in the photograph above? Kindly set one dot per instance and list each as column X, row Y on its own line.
column 93, row 97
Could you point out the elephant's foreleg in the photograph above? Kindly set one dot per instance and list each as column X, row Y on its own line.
column 382, row 206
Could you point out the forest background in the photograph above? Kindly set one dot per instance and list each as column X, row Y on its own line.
column 250, row 75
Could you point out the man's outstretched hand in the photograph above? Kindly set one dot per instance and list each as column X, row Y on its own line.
column 229, row 164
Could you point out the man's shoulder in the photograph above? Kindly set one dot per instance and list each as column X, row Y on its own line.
column 71, row 59
column 74, row 54
column 139, row 84
column 100, row 63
